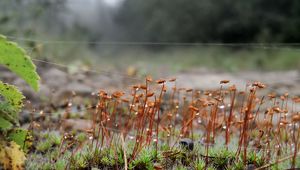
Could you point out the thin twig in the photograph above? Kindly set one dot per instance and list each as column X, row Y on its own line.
column 124, row 150
column 276, row 162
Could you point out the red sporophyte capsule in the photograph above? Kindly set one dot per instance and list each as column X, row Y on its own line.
column 172, row 79
column 149, row 79
column 161, row 81
column 224, row 81
column 118, row 94
column 150, row 94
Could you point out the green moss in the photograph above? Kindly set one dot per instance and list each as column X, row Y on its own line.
column 199, row 164
column 60, row 165
column 81, row 137
column 144, row 160
column 43, row 146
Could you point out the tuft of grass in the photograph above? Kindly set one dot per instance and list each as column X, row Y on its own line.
column 43, row 146
column 199, row 164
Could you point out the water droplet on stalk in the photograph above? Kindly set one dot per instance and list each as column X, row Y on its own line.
column 221, row 106
column 199, row 121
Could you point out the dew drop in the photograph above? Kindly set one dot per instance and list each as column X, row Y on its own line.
column 199, row 121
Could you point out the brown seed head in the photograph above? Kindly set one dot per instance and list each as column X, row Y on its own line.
column 267, row 123
column 143, row 86
column 224, row 81
column 150, row 94
column 161, row 81
column 296, row 99
column 136, row 86
column 276, row 109
column 172, row 79
column 149, row 79
column 259, row 84
column 296, row 118
column 232, row 88
column 189, row 90
column 125, row 100
column 193, row 108
column 272, row 95
column 284, row 122
column 117, row 94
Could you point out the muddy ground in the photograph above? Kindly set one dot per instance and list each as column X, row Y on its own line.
column 58, row 83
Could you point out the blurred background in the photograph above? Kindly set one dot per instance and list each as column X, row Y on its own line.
column 199, row 41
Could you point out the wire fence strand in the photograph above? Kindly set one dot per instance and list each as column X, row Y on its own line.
column 122, row 74
column 107, row 73
column 152, row 43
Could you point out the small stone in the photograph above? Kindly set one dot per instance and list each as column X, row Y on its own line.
column 251, row 167
column 158, row 166
column 187, row 144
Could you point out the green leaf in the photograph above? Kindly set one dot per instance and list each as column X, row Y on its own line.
column 4, row 124
column 18, row 135
column 15, row 58
column 12, row 100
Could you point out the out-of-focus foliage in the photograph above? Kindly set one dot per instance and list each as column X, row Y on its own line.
column 11, row 106
column 30, row 17
column 11, row 157
column 211, row 20
column 11, row 138
column 156, row 20
column 15, row 58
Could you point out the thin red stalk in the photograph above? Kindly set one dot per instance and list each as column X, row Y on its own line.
column 296, row 139
column 128, row 124
column 245, row 128
column 158, row 110
column 229, row 120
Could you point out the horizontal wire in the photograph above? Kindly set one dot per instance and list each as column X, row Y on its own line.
column 86, row 70
column 91, row 71
column 132, row 77
column 31, row 49
column 145, row 43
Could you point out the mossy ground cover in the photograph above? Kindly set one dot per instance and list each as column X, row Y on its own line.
column 146, row 128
